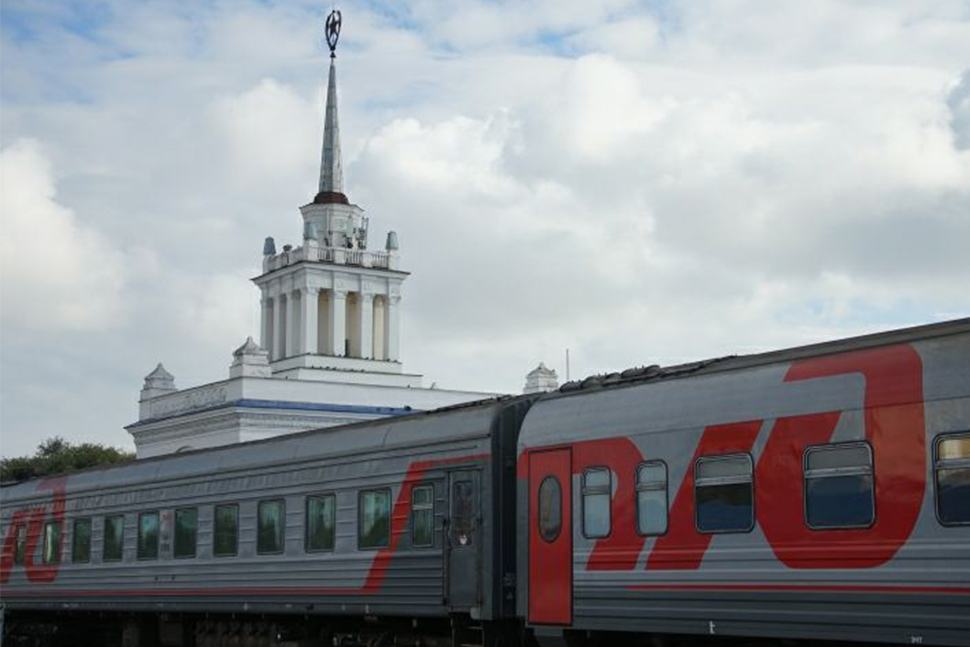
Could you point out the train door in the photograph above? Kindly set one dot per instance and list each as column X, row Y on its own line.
column 463, row 540
column 550, row 537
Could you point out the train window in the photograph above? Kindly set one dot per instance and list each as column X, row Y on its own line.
column 724, row 493
column 838, row 486
column 186, row 532
column 81, row 541
column 320, row 522
column 147, row 535
column 20, row 548
column 550, row 508
column 597, row 490
column 225, row 537
column 953, row 479
column 270, row 526
column 374, row 518
column 652, row 498
column 463, row 513
column 52, row 542
column 113, row 547
column 422, row 516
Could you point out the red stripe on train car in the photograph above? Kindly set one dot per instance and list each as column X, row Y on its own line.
column 801, row 588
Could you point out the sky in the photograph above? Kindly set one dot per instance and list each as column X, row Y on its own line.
column 641, row 182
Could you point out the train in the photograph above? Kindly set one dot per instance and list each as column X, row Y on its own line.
column 819, row 492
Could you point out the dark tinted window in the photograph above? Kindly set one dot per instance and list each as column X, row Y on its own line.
column 81, row 541
column 113, row 548
column 550, row 508
column 652, row 498
column 52, row 542
column 422, row 516
column 225, row 538
column 320, row 522
column 186, row 532
column 838, row 486
column 724, row 493
column 597, row 490
column 148, row 535
column 463, row 511
column 270, row 525
column 953, row 479
column 20, row 548
column 374, row 520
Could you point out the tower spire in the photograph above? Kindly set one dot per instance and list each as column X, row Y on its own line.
column 331, row 187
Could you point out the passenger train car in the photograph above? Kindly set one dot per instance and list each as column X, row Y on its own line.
column 817, row 492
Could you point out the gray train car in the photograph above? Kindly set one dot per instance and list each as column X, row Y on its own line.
column 399, row 519
column 819, row 492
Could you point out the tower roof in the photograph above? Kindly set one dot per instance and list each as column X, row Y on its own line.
column 331, row 166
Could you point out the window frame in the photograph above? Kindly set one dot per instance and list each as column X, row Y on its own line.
column 596, row 490
column 158, row 536
column 74, row 535
column 195, row 535
column 259, row 510
column 546, row 537
column 57, row 556
column 104, row 535
column 306, row 522
column 649, row 487
column 838, row 471
column 421, row 508
column 725, row 480
column 215, row 519
column 360, row 517
column 958, row 463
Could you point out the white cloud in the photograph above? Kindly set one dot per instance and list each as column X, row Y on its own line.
column 58, row 274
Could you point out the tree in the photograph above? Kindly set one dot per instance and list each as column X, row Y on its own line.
column 58, row 456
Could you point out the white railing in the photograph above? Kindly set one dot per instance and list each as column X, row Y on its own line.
column 335, row 255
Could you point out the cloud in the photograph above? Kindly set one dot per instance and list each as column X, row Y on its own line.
column 58, row 274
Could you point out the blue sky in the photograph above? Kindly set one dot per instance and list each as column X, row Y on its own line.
column 641, row 182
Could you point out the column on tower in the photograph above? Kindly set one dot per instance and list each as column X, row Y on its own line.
column 293, row 323
column 365, row 323
column 353, row 324
column 279, row 326
column 309, row 298
column 392, row 333
column 266, row 322
column 380, row 308
column 337, row 322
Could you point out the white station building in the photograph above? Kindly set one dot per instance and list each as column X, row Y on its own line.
column 329, row 350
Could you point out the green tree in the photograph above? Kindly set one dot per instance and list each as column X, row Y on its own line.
column 58, row 456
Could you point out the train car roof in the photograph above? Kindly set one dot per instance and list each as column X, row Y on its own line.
column 468, row 420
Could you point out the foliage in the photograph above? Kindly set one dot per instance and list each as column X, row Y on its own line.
column 57, row 456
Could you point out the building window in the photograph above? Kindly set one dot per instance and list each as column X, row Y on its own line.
column 148, row 535
column 81, row 541
column 374, row 518
column 270, row 526
column 52, row 542
column 550, row 508
column 113, row 548
column 953, row 479
column 186, row 532
column 724, row 493
column 320, row 522
column 20, row 547
column 597, row 488
column 838, row 486
column 652, row 498
column 422, row 516
column 225, row 538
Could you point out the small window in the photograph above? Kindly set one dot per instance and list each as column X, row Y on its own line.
column 81, row 541
column 652, row 498
column 724, row 493
column 550, row 509
column 320, row 522
column 597, row 489
column 225, row 540
column 20, row 548
column 186, row 532
column 838, row 486
column 953, row 479
column 52, row 542
column 114, row 538
column 422, row 516
column 374, row 518
column 148, row 535
column 270, row 526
